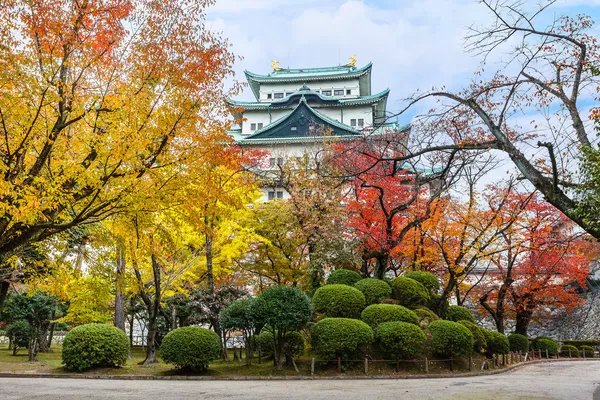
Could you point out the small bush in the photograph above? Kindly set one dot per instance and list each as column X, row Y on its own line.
column 409, row 292
column 20, row 332
column 338, row 301
column 589, row 351
column 427, row 279
column 450, row 339
column 190, row 347
column 376, row 314
column 433, row 304
column 401, row 340
column 459, row 313
column 343, row 277
column 374, row 290
column 426, row 316
column 497, row 343
column 94, row 345
column 294, row 344
column 264, row 342
column 569, row 351
column 518, row 342
column 545, row 343
column 341, row 337
column 480, row 341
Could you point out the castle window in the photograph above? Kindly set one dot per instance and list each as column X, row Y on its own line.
column 353, row 123
column 280, row 195
column 348, row 91
column 294, row 128
column 269, row 96
column 326, row 92
column 361, row 123
column 278, row 95
column 338, row 92
column 253, row 126
column 271, row 195
column 259, row 125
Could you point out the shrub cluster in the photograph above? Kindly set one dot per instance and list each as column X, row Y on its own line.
column 293, row 344
column 338, row 301
column 450, row 339
column 374, row 290
column 544, row 343
column 190, row 347
column 589, row 351
column 426, row 316
column 401, row 340
column 340, row 337
column 94, row 345
column 376, row 314
column 569, row 351
column 518, row 342
column 20, row 333
column 459, row 313
column 497, row 343
column 343, row 277
column 409, row 292
column 427, row 279
column 264, row 342
column 478, row 332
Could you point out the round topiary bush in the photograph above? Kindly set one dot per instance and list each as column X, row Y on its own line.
column 401, row 340
column 497, row 343
column 190, row 347
column 264, row 342
column 376, row 314
column 450, row 339
column 480, row 341
column 589, row 351
column 459, row 313
column 427, row 279
column 409, row 292
column 340, row 337
column 426, row 316
column 94, row 345
column 338, row 301
column 569, row 351
column 343, row 277
column 20, row 333
column 374, row 290
column 518, row 342
column 545, row 343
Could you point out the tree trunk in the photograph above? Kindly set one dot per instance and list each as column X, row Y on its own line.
column 34, row 345
column 151, row 340
column 381, row 265
column 44, row 346
column 209, row 258
column 51, row 334
column 249, row 350
column 119, row 286
column 153, row 308
column 4, row 286
column 522, row 322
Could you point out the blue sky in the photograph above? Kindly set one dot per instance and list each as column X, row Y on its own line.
column 413, row 44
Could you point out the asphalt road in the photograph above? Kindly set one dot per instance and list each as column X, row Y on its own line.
column 564, row 380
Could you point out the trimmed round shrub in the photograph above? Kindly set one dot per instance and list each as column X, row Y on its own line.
column 427, row 279
column 343, row 277
column 478, row 332
column 569, row 351
column 190, row 347
column 376, row 314
column 409, row 292
column 497, row 343
column 589, row 351
column 374, row 290
column 433, row 304
column 545, row 343
column 426, row 316
column 293, row 344
column 338, row 301
column 20, row 332
column 450, row 339
column 94, row 345
column 518, row 342
column 264, row 342
column 459, row 313
column 341, row 337
column 401, row 340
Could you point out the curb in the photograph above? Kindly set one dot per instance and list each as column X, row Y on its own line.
column 284, row 378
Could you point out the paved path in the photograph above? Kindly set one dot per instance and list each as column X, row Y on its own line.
column 564, row 380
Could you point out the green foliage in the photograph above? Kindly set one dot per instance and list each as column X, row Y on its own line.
column 426, row 316
column 343, row 277
column 401, row 340
column 459, row 313
column 94, row 345
column 376, row 314
column 427, row 279
column 294, row 344
column 497, row 343
column 568, row 350
column 374, row 290
column 338, row 301
column 588, row 190
column 589, row 351
column 478, row 332
column 190, row 347
column 264, row 342
column 518, row 342
column 238, row 315
column 545, row 343
column 450, row 339
column 282, row 308
column 434, row 303
column 20, row 333
column 340, row 337
column 579, row 343
column 409, row 292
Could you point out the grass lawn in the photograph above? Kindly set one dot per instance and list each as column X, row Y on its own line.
column 50, row 363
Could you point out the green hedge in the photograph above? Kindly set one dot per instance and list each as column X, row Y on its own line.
column 426, row 316
column 94, row 345
column 518, row 342
column 589, row 351
column 568, row 350
column 374, row 290
column 343, row 277
column 545, row 343
column 340, row 337
column 478, row 332
column 401, row 340
column 190, row 347
column 579, row 343
column 450, row 339
column 409, row 292
column 459, row 313
column 376, row 314
column 497, row 343
column 427, row 279
column 338, row 301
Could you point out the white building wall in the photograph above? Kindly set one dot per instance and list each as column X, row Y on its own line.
column 272, row 88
